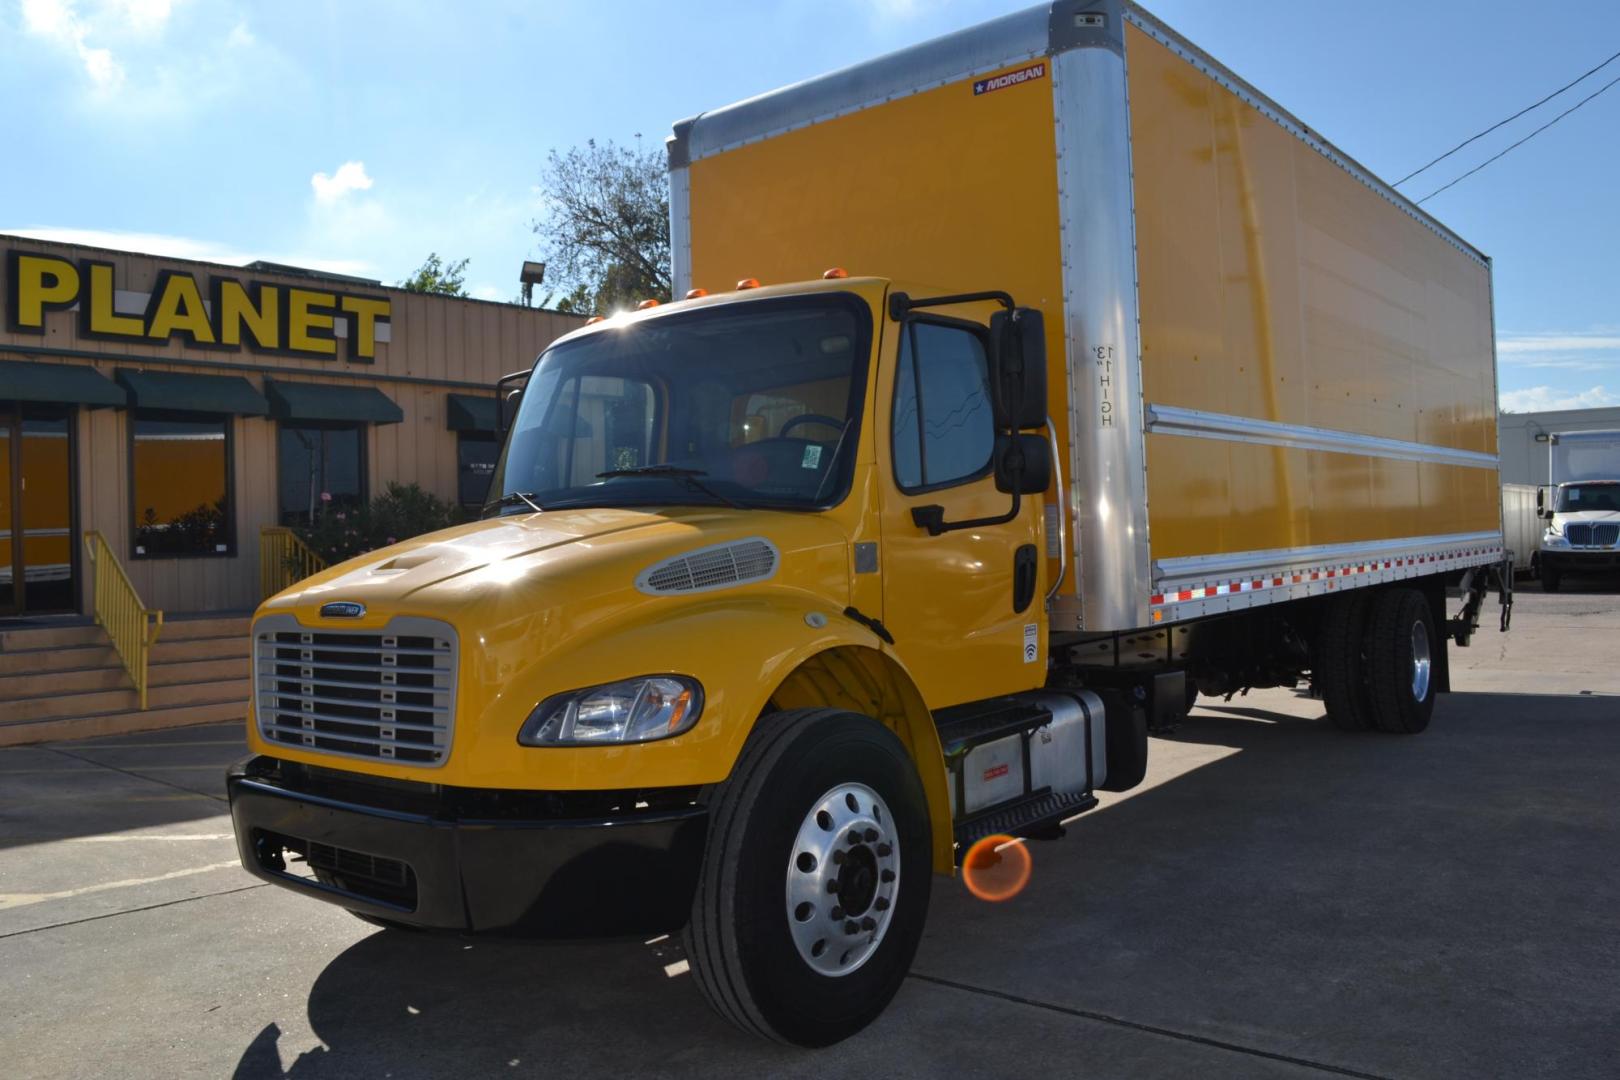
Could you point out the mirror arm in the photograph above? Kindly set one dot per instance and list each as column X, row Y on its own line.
column 932, row 518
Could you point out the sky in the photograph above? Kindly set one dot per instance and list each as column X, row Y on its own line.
column 358, row 136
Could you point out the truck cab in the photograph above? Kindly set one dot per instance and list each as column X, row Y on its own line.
column 1581, row 507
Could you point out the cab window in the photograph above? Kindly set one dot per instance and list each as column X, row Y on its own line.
column 944, row 430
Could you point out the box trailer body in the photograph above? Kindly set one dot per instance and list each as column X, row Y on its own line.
column 1521, row 526
column 1083, row 379
column 1268, row 367
column 1581, row 506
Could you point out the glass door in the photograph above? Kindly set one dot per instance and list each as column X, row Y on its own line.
column 37, row 557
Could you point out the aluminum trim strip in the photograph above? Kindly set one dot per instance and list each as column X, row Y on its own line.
column 680, row 231
column 1195, row 423
column 1166, row 36
column 1226, row 583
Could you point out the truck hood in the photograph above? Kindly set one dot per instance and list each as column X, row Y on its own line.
column 1579, row 516
column 530, row 561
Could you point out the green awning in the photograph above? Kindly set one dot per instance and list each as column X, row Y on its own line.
column 320, row 401
column 192, row 393
column 72, row 384
column 468, row 413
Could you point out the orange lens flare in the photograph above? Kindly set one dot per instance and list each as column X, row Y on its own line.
column 997, row 868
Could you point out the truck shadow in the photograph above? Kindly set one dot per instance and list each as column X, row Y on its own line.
column 1343, row 898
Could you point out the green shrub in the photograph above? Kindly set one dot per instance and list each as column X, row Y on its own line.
column 399, row 513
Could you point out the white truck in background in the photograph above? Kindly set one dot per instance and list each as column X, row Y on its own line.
column 1581, row 505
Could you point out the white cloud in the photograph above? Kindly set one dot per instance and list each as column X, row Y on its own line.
column 58, row 21
column 350, row 176
column 184, row 247
column 1549, row 399
column 1526, row 344
column 488, row 292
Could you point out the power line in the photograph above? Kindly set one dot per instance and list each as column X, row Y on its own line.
column 1522, row 141
column 1509, row 120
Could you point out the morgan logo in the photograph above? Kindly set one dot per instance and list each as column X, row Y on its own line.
column 995, row 772
column 1009, row 78
column 342, row 609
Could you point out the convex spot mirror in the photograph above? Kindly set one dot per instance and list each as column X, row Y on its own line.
column 1018, row 368
column 1023, row 464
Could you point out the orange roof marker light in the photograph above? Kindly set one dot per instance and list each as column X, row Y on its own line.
column 594, row 319
column 834, row 274
column 748, row 283
column 645, row 304
column 693, row 294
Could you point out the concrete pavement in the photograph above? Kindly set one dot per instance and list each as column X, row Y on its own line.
column 1280, row 899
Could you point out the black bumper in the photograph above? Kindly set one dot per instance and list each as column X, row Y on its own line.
column 523, row 864
column 1578, row 562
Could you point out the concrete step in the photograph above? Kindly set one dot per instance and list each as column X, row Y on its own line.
column 63, row 683
column 60, row 705
column 51, row 637
column 65, row 658
column 205, row 648
column 119, row 723
column 222, row 669
column 186, row 628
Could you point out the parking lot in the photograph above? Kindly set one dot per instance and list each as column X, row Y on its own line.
column 1280, row 899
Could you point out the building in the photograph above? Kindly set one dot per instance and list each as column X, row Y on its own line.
column 1522, row 438
column 177, row 408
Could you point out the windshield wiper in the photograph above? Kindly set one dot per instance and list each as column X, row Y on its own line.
column 513, row 497
column 689, row 477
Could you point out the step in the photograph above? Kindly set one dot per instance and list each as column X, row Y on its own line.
column 221, row 669
column 205, row 648
column 119, row 723
column 1040, row 813
column 44, row 707
column 51, row 636
column 34, row 661
column 965, row 727
column 188, row 628
column 63, row 683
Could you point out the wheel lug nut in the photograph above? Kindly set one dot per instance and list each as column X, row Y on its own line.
column 869, row 923
column 854, row 837
column 883, row 851
column 871, row 835
column 887, row 876
column 852, row 927
column 881, row 903
column 832, row 885
column 838, row 857
column 837, row 913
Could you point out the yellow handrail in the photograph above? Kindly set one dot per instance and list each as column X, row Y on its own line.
column 284, row 559
column 120, row 612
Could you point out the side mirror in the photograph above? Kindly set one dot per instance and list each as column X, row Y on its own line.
column 509, row 407
column 1023, row 464
column 1018, row 368
column 1543, row 508
column 508, row 393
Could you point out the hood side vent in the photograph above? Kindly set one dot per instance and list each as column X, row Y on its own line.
column 737, row 562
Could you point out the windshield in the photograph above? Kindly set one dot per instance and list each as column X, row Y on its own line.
column 753, row 404
column 1574, row 497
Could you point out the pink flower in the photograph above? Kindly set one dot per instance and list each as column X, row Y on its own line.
column 326, row 496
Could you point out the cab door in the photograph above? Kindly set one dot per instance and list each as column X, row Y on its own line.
column 966, row 607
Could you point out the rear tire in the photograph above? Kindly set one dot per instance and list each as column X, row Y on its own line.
column 1340, row 671
column 765, row 898
column 1400, row 647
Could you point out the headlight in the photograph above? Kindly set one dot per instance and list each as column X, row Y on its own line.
column 630, row 711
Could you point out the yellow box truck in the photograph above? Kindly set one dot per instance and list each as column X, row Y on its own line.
column 1026, row 383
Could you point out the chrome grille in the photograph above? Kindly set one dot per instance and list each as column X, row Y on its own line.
column 384, row 694
column 1592, row 534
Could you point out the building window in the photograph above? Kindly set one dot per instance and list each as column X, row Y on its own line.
column 476, row 452
column 180, row 472
column 321, row 467
column 944, row 430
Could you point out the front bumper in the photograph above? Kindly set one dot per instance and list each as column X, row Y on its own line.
column 523, row 864
column 1578, row 560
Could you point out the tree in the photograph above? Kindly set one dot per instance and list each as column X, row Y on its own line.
column 606, row 229
column 438, row 276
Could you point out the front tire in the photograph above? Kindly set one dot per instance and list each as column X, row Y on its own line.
column 823, row 808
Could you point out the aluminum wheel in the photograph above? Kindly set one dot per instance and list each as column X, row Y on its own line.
column 843, row 877
column 1421, row 663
